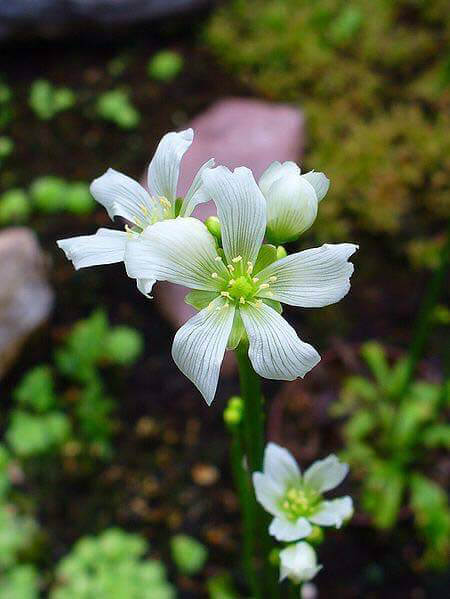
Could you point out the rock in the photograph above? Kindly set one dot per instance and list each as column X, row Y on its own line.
column 236, row 132
column 53, row 17
column 25, row 295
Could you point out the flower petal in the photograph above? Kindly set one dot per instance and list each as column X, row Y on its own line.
column 280, row 466
column 241, row 209
column 334, row 512
column 179, row 250
column 123, row 196
column 298, row 563
column 268, row 493
column 196, row 193
column 320, row 182
column 275, row 351
column 291, row 207
column 284, row 530
column 312, row 278
column 164, row 169
column 105, row 247
column 145, row 286
column 199, row 346
column 274, row 171
column 325, row 474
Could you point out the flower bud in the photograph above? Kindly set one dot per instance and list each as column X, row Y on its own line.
column 298, row 563
column 213, row 225
column 232, row 414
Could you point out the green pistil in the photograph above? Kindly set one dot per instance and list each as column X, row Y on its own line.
column 243, row 286
column 299, row 502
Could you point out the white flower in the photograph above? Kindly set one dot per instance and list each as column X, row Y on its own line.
column 238, row 288
column 292, row 199
column 298, row 563
column 122, row 196
column 296, row 501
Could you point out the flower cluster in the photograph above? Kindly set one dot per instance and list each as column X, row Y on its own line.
column 238, row 282
column 297, row 504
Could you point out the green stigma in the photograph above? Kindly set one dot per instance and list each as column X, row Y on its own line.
column 299, row 502
column 243, row 286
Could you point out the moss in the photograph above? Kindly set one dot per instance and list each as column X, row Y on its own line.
column 373, row 78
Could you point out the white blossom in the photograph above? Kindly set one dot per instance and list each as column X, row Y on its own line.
column 238, row 288
column 292, row 199
column 125, row 197
column 296, row 500
column 298, row 563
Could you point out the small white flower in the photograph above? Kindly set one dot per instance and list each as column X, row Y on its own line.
column 237, row 288
column 295, row 500
column 125, row 197
column 298, row 563
column 292, row 199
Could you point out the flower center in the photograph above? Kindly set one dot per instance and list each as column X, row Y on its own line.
column 299, row 502
column 243, row 286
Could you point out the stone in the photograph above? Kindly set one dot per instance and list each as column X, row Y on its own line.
column 25, row 295
column 55, row 17
column 236, row 132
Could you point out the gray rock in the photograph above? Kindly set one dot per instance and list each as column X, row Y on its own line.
column 54, row 16
column 236, row 132
column 25, row 295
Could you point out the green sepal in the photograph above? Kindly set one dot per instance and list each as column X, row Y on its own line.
column 237, row 331
column 178, row 205
column 200, row 299
column 266, row 255
column 273, row 304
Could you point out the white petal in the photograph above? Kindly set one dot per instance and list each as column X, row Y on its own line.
column 280, row 465
column 334, row 512
column 320, row 182
column 145, row 286
column 164, row 168
column 196, row 193
column 291, row 207
column 123, row 196
column 312, row 278
column 274, row 172
column 275, row 351
column 199, row 346
column 241, row 209
column 268, row 493
column 284, row 530
column 179, row 250
column 298, row 563
column 325, row 474
column 105, row 247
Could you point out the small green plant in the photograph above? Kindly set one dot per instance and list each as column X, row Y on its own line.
column 5, row 483
column 20, row 581
column 6, row 111
column 165, row 65
column 111, row 565
column 48, row 194
column 389, row 433
column 188, row 554
column 47, row 100
column 6, row 147
column 16, row 535
column 116, row 106
column 14, row 207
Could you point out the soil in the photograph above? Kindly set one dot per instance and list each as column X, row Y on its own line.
column 170, row 469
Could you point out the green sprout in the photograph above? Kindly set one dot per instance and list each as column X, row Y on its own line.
column 116, row 106
column 188, row 554
column 14, row 207
column 165, row 65
column 47, row 101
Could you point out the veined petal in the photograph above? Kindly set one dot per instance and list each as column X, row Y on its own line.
column 312, row 278
column 275, row 350
column 199, row 346
column 179, row 250
column 196, row 193
column 123, row 196
column 145, row 286
column 241, row 209
column 105, row 247
column 164, row 168
column 298, row 563
column 291, row 207
column 274, row 171
column 325, row 474
column 284, row 530
column 268, row 493
column 280, row 465
column 320, row 182
column 334, row 512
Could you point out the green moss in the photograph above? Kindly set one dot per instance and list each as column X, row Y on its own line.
column 374, row 80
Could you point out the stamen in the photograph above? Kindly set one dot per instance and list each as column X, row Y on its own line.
column 225, row 294
column 230, row 267
column 242, row 300
column 237, row 259
column 231, row 282
column 165, row 202
column 263, row 286
column 218, row 258
column 214, row 275
column 129, row 231
column 273, row 279
column 269, row 293
column 249, row 268
column 255, row 279
column 144, row 209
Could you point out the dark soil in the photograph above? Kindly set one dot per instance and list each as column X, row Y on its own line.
column 170, row 470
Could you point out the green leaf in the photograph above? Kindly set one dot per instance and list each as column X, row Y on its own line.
column 188, row 554
column 360, row 426
column 123, row 345
column 20, row 582
column 220, row 587
column 78, row 198
column 375, row 357
column 36, row 389
column 49, row 194
column 383, row 493
column 29, row 434
column 14, row 207
column 116, row 106
column 437, row 435
column 165, row 65
column 16, row 534
column 47, row 100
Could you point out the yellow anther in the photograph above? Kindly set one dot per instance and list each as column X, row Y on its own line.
column 264, row 286
column 286, row 505
column 129, row 231
column 273, row 279
column 237, row 259
column 242, row 300
column 218, row 258
column 255, row 279
column 230, row 267
column 249, row 268
column 231, row 282
column 210, row 305
column 144, row 209
column 214, row 275
column 258, row 303
column 225, row 294
column 165, row 202
column 269, row 293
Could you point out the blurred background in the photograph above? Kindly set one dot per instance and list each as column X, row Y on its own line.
column 114, row 474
